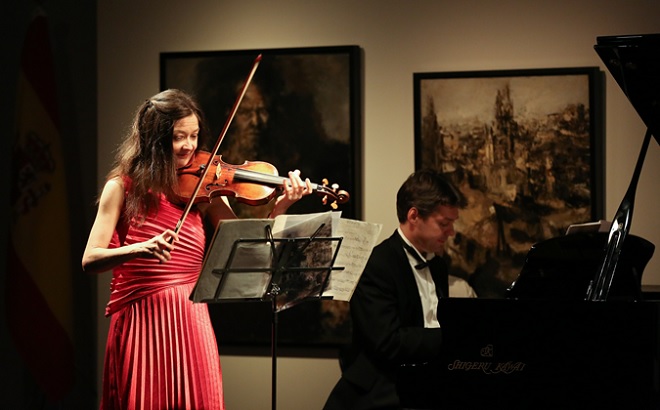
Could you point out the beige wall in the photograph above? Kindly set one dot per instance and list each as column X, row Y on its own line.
column 398, row 38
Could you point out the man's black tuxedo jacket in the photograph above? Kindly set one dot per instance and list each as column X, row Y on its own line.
column 388, row 328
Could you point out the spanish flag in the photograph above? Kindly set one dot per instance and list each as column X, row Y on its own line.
column 39, row 276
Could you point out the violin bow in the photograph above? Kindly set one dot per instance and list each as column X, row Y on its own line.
column 230, row 118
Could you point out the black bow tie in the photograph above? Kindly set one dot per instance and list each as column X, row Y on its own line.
column 421, row 263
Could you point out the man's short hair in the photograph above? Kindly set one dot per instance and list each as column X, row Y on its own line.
column 425, row 190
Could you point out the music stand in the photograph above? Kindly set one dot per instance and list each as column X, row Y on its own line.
column 260, row 267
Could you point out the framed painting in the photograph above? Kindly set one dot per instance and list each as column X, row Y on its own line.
column 301, row 110
column 526, row 149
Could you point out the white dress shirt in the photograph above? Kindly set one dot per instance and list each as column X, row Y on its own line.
column 425, row 285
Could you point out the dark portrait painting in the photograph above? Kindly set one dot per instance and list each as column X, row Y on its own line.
column 301, row 110
column 525, row 147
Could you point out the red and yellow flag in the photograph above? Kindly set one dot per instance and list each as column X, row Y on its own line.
column 39, row 276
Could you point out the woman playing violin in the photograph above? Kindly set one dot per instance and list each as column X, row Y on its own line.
column 161, row 350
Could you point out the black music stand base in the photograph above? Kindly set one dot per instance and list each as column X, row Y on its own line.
column 273, row 351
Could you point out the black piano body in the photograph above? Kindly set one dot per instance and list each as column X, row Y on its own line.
column 546, row 347
column 540, row 354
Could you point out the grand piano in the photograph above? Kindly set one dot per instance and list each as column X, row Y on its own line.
column 575, row 331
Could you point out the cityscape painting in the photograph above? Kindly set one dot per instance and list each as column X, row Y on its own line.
column 526, row 149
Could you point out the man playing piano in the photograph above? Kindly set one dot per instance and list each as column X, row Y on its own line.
column 394, row 306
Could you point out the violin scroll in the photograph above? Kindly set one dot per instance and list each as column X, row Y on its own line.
column 338, row 195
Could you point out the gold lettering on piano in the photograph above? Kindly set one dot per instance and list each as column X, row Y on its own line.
column 487, row 367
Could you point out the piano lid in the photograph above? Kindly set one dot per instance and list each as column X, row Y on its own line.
column 634, row 62
column 561, row 268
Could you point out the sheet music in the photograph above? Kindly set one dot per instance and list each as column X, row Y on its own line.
column 288, row 226
column 359, row 240
column 309, row 251
column 254, row 258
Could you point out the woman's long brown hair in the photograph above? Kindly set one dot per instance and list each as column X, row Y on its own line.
column 145, row 155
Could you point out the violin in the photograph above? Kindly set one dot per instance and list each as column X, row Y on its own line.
column 253, row 182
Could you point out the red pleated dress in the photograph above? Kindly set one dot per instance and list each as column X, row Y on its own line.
column 161, row 351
